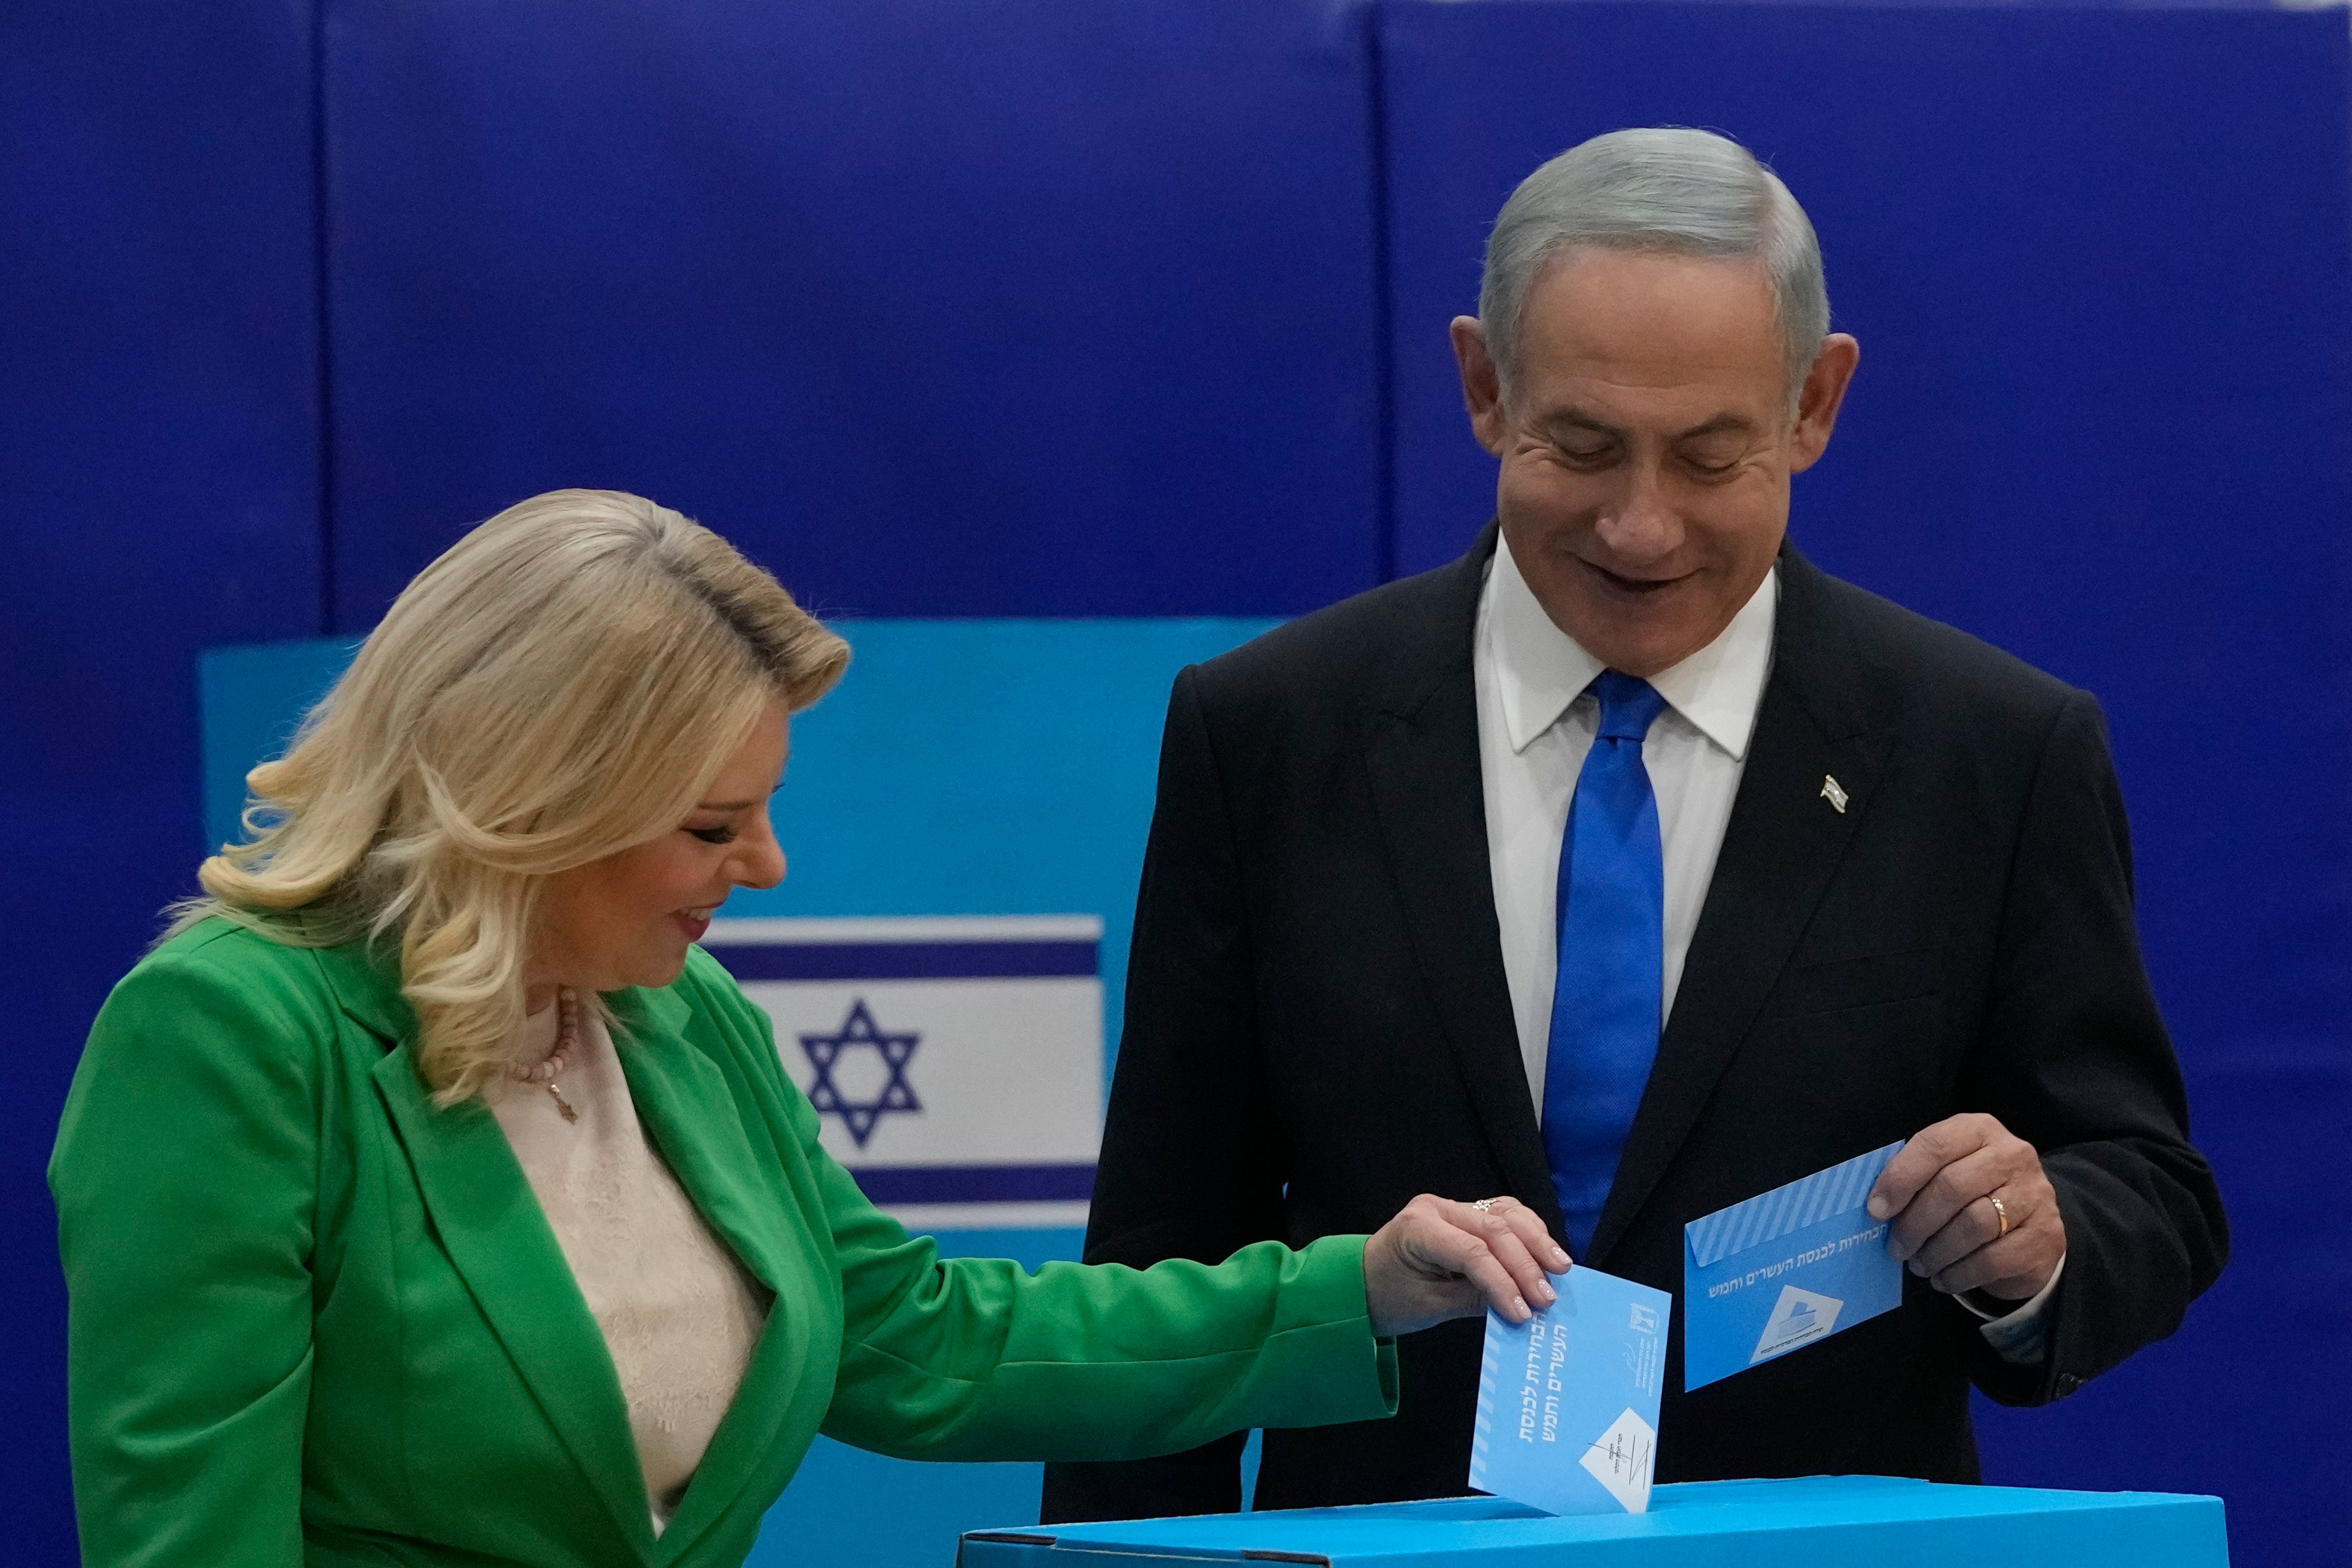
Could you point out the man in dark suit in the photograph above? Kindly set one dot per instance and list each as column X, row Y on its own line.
column 1629, row 867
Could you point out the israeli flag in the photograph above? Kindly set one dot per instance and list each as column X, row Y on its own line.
column 955, row 1063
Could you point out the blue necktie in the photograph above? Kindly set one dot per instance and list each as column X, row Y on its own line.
column 1605, row 1001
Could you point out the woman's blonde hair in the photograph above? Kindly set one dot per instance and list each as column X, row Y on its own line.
column 563, row 684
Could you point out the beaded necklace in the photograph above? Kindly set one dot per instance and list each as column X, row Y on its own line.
column 548, row 1067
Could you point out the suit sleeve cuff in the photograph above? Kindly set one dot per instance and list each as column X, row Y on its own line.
column 1322, row 1364
column 2019, row 1336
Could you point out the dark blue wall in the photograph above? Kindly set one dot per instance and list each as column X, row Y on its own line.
column 1045, row 307
column 1033, row 307
column 158, row 494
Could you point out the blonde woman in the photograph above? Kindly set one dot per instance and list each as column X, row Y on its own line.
column 427, row 1198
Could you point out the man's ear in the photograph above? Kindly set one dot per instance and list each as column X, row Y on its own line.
column 1820, row 398
column 1482, row 386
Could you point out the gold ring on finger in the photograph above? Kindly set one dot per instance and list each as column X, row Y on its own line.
column 2001, row 1210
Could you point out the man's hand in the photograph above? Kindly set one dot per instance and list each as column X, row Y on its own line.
column 1439, row 1260
column 1948, row 1229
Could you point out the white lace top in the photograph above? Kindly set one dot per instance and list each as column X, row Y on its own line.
column 680, row 1314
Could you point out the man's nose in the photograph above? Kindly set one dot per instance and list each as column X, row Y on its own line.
column 1643, row 526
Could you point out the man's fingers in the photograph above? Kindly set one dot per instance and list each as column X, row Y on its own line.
column 1937, row 1195
column 1943, row 1199
column 2012, row 1267
column 1904, row 1176
column 1976, row 1226
column 1981, row 1266
column 1929, row 1151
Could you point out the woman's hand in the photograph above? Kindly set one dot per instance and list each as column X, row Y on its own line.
column 1439, row 1260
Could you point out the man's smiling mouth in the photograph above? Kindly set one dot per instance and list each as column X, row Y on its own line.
column 1631, row 584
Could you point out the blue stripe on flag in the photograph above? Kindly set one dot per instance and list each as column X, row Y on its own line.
column 905, row 960
column 974, row 1184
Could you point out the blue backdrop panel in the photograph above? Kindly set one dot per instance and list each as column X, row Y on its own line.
column 249, row 701
column 939, row 307
column 157, row 492
column 2098, row 264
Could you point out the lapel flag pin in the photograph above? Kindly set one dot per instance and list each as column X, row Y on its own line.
column 1834, row 792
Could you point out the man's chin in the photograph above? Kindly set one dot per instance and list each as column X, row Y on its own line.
column 1638, row 634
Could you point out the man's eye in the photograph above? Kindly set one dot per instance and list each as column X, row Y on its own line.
column 1711, row 463
column 714, row 835
column 1598, row 452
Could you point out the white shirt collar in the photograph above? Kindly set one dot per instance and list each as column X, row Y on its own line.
column 1539, row 669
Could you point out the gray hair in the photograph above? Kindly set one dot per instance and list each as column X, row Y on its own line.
column 1690, row 192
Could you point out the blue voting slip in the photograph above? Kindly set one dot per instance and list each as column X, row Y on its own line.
column 1785, row 1270
column 1568, row 1402
column 1819, row 1522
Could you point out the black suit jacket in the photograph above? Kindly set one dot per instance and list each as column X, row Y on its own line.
column 1318, row 1026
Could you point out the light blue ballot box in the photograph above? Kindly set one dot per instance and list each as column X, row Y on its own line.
column 1819, row 1522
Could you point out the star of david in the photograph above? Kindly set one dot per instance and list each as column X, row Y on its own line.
column 859, row 1029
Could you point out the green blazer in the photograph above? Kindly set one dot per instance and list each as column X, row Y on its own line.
column 316, row 1320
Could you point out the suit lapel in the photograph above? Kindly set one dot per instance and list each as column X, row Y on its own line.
column 691, row 1114
column 499, row 1241
column 1780, row 850
column 685, row 1107
column 1422, row 750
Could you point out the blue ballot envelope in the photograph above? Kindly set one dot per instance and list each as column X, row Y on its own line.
column 1819, row 1522
column 1785, row 1270
column 1568, row 1402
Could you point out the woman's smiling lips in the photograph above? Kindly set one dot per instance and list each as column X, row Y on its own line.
column 694, row 922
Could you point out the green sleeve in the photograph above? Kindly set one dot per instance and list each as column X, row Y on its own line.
column 185, row 1174
column 976, row 1359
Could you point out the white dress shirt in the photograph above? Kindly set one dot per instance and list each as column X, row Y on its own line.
column 1535, row 725
column 1536, row 722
